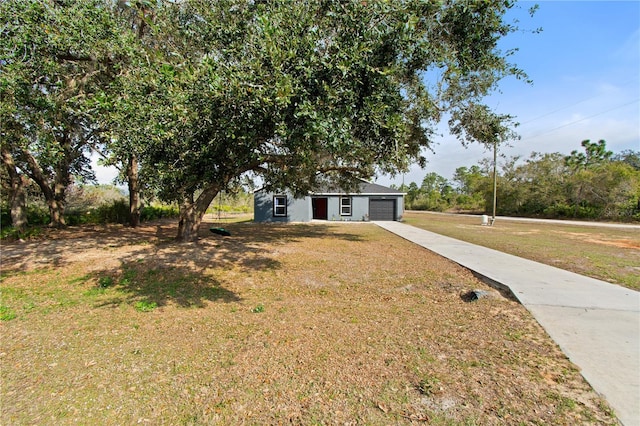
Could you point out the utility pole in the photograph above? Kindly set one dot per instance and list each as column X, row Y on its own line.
column 490, row 128
column 495, row 179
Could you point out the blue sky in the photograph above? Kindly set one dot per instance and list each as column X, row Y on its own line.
column 585, row 67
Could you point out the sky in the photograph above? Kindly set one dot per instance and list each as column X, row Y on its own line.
column 585, row 67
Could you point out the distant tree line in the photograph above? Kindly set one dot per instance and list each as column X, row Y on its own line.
column 84, row 204
column 592, row 183
column 100, row 204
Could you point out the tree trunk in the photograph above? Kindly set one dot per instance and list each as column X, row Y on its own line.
column 189, row 223
column 191, row 213
column 577, row 201
column 56, row 213
column 17, row 197
column 18, row 205
column 134, row 191
column 59, row 202
column 54, row 193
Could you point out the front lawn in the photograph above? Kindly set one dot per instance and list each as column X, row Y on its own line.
column 303, row 324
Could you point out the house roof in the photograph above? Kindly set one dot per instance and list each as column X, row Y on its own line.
column 364, row 188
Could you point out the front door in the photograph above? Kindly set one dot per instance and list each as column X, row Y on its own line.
column 319, row 206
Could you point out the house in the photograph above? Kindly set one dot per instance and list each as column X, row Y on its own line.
column 370, row 202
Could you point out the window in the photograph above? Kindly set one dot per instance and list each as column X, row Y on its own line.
column 280, row 205
column 345, row 206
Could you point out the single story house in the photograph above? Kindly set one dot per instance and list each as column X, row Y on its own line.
column 370, row 202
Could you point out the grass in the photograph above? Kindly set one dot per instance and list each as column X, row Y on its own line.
column 302, row 324
column 258, row 309
column 144, row 306
column 609, row 254
column 6, row 314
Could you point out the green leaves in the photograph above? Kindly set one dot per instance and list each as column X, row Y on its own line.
column 203, row 91
column 477, row 123
column 56, row 56
column 594, row 154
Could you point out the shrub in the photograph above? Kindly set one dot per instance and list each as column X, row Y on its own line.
column 577, row 212
column 37, row 215
column 5, row 217
column 117, row 211
column 10, row 233
column 148, row 213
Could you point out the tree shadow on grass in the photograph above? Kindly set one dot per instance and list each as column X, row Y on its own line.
column 279, row 233
column 143, row 282
column 147, row 264
column 185, row 274
column 63, row 247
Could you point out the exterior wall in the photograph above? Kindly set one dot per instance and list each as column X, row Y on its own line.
column 399, row 206
column 333, row 208
column 359, row 208
column 299, row 210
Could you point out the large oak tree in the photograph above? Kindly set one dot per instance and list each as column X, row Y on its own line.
column 299, row 92
column 201, row 92
column 54, row 55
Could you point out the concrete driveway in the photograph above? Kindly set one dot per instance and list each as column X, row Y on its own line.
column 596, row 324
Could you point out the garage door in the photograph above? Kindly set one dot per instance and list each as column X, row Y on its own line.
column 382, row 209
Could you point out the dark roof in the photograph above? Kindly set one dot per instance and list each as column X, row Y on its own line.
column 364, row 188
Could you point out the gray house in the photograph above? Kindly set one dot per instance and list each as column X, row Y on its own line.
column 370, row 202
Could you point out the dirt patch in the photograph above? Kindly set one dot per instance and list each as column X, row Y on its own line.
column 588, row 238
column 615, row 243
column 303, row 324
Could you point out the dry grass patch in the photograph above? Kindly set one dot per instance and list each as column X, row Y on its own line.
column 303, row 324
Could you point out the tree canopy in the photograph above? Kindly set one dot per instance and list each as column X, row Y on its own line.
column 54, row 57
column 297, row 93
column 293, row 92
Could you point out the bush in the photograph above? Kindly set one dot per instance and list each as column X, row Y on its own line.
column 118, row 212
column 37, row 215
column 115, row 212
column 149, row 213
column 5, row 217
column 576, row 212
column 11, row 233
column 228, row 208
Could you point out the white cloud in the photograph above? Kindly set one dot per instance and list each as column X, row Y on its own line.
column 561, row 132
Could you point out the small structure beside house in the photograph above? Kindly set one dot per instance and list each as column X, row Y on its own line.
column 370, row 202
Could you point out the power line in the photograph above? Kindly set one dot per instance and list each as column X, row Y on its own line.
column 573, row 104
column 583, row 119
